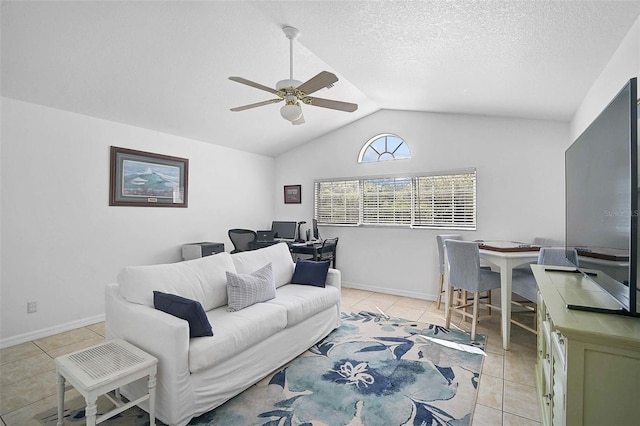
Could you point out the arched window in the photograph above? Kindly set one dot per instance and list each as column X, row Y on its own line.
column 384, row 147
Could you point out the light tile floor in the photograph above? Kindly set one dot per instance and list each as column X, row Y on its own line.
column 506, row 395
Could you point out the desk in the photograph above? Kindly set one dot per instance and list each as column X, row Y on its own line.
column 506, row 256
column 312, row 250
column 301, row 248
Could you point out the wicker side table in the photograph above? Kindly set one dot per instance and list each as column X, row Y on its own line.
column 104, row 368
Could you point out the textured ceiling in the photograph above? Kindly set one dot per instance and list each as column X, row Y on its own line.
column 165, row 65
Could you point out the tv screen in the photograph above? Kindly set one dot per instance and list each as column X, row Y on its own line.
column 601, row 178
column 283, row 230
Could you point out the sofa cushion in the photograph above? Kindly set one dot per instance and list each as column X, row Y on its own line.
column 235, row 331
column 309, row 272
column 186, row 309
column 303, row 301
column 203, row 279
column 246, row 289
column 278, row 254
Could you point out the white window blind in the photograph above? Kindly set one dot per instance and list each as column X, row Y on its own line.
column 432, row 201
column 386, row 201
column 337, row 202
column 447, row 201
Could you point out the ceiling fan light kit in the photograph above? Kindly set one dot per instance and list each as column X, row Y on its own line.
column 291, row 112
column 294, row 91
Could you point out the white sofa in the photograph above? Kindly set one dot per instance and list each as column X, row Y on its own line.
column 198, row 374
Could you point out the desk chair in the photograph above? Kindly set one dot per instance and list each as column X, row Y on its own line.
column 440, row 241
column 243, row 239
column 524, row 283
column 325, row 250
column 465, row 273
column 328, row 251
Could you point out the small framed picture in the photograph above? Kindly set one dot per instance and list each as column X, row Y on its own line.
column 292, row 194
column 146, row 179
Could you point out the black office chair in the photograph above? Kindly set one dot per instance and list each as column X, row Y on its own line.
column 243, row 239
column 328, row 250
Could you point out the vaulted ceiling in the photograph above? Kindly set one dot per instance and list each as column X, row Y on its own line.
column 165, row 65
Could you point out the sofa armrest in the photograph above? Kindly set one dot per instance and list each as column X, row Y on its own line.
column 162, row 335
column 334, row 278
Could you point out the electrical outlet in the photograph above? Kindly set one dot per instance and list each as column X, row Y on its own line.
column 32, row 307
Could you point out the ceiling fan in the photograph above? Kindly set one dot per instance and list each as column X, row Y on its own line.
column 293, row 91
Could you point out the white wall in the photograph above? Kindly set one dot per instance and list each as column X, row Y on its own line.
column 624, row 64
column 520, row 175
column 61, row 242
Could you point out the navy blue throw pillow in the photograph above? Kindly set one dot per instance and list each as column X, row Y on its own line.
column 311, row 273
column 186, row 309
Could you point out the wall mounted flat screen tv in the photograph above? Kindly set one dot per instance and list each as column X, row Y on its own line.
column 601, row 188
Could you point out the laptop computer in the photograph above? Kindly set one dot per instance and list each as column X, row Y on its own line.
column 265, row 236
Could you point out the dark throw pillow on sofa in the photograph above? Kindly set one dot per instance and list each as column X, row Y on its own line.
column 309, row 272
column 186, row 309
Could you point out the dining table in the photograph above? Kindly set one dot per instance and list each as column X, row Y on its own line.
column 505, row 256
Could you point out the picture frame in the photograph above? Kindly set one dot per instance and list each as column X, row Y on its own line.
column 292, row 194
column 147, row 179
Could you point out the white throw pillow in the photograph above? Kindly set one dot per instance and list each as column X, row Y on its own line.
column 246, row 289
column 278, row 254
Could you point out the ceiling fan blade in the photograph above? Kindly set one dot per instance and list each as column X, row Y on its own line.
column 253, row 84
column 321, row 80
column 257, row 104
column 328, row 103
column 298, row 121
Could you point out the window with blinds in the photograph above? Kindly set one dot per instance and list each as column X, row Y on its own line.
column 447, row 201
column 337, row 202
column 429, row 201
column 386, row 201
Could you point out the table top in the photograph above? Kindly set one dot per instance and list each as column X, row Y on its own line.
column 506, row 246
column 104, row 362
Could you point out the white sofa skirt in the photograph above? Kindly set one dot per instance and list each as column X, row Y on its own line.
column 212, row 387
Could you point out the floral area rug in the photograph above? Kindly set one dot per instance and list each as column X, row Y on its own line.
column 373, row 370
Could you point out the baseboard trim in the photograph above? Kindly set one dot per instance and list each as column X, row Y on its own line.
column 46, row 332
column 392, row 291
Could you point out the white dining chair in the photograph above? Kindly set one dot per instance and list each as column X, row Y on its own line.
column 465, row 273
column 440, row 238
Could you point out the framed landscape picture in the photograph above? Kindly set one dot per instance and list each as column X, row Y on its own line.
column 145, row 179
column 292, row 194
